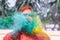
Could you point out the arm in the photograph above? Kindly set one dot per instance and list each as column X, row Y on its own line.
column 17, row 22
column 38, row 30
column 39, row 27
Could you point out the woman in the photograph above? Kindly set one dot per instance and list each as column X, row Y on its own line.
column 27, row 26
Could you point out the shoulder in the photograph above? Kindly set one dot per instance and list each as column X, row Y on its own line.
column 7, row 37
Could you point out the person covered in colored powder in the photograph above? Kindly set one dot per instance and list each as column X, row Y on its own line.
column 27, row 25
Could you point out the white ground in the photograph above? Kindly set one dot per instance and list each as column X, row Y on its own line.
column 54, row 35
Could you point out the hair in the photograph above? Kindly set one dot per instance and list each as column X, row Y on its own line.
column 25, row 8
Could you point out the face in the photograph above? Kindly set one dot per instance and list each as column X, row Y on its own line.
column 28, row 11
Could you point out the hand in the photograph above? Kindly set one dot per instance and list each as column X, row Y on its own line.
column 30, row 18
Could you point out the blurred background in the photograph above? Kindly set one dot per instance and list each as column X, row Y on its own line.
column 49, row 11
